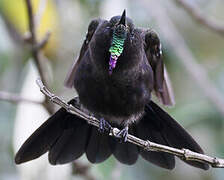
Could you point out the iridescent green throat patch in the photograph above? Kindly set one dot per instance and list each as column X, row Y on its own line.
column 117, row 46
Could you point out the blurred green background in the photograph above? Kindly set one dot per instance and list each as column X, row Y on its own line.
column 68, row 21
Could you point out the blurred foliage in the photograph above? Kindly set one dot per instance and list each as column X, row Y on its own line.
column 15, row 14
column 91, row 5
column 68, row 21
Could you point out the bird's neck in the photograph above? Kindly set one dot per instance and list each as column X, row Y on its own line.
column 129, row 59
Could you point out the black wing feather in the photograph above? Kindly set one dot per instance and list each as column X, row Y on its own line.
column 69, row 81
column 125, row 152
column 63, row 134
column 71, row 144
column 42, row 139
column 175, row 135
column 162, row 85
column 148, row 130
column 98, row 148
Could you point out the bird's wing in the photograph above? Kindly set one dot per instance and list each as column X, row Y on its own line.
column 69, row 81
column 162, row 85
column 60, row 135
column 158, row 126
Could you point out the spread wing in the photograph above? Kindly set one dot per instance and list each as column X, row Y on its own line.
column 162, row 85
column 69, row 80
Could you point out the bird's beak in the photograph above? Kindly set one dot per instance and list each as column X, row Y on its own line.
column 123, row 18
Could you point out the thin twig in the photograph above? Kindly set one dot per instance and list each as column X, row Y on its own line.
column 147, row 145
column 38, row 55
column 14, row 98
column 181, row 50
column 36, row 49
column 34, row 43
column 197, row 15
column 44, row 41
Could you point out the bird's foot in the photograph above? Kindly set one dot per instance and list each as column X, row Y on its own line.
column 123, row 134
column 104, row 126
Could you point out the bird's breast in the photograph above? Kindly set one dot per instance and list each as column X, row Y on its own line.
column 118, row 97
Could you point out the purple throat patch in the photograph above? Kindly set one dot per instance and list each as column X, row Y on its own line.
column 112, row 63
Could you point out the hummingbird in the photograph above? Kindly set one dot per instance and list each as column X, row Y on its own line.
column 118, row 68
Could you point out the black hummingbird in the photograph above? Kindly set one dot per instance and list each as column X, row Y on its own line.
column 118, row 68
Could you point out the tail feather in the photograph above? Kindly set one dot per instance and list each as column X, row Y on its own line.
column 67, row 137
column 175, row 135
column 63, row 135
column 148, row 130
column 125, row 152
column 71, row 144
column 98, row 148
column 42, row 139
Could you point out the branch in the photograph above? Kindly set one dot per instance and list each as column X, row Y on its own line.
column 14, row 98
column 44, row 41
column 38, row 57
column 37, row 46
column 33, row 41
column 196, row 14
column 181, row 50
column 147, row 145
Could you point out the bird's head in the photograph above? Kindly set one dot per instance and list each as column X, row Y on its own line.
column 116, row 43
